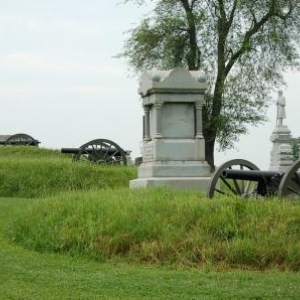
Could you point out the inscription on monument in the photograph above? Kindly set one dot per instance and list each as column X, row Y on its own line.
column 178, row 124
column 148, row 153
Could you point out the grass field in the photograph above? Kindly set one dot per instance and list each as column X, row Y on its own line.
column 83, row 212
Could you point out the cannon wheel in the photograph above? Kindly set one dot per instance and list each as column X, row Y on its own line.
column 290, row 182
column 242, row 188
column 21, row 139
column 101, row 151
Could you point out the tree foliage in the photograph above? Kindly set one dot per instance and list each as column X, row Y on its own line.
column 244, row 46
column 295, row 143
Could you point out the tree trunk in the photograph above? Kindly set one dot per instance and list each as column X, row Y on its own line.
column 193, row 56
column 209, row 153
column 209, row 138
column 212, row 121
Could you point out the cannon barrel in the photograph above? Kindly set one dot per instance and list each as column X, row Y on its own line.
column 251, row 175
column 105, row 151
column 70, row 150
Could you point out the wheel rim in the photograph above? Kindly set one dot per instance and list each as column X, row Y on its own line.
column 242, row 188
column 101, row 152
column 290, row 183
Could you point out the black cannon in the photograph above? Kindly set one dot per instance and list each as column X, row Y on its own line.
column 242, row 178
column 20, row 139
column 100, row 151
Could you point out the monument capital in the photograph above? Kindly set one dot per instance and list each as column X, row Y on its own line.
column 178, row 80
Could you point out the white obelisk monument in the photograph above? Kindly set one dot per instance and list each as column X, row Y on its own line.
column 281, row 153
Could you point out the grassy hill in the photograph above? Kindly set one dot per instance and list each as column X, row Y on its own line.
column 31, row 172
column 88, row 210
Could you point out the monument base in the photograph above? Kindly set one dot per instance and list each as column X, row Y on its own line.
column 182, row 183
column 281, row 153
column 174, row 169
column 280, row 169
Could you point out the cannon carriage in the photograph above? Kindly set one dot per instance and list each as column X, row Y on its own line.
column 20, row 139
column 242, row 178
column 100, row 152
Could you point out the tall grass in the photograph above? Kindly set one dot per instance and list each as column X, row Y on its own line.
column 21, row 152
column 30, row 275
column 33, row 172
column 163, row 226
column 88, row 210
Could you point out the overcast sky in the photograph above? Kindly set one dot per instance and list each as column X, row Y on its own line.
column 60, row 82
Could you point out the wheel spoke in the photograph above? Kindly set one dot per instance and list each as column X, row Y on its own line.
column 296, row 178
column 291, row 189
column 228, row 185
column 237, row 187
column 107, row 152
column 113, row 155
column 219, row 191
column 247, row 188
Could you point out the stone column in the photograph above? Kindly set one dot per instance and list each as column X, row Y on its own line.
column 199, row 132
column 147, row 123
column 157, row 116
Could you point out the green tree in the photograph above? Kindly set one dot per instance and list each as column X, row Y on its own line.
column 295, row 143
column 243, row 46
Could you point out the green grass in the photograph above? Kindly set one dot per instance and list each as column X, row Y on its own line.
column 31, row 172
column 25, row 152
column 26, row 274
column 164, row 227
column 74, row 231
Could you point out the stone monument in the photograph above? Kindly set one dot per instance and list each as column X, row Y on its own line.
column 173, row 145
column 281, row 154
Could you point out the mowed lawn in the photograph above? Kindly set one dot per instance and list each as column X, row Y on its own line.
column 28, row 175
column 27, row 274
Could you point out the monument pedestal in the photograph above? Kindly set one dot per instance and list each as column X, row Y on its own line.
column 281, row 153
column 173, row 148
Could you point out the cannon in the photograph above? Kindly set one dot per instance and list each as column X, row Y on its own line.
column 20, row 139
column 242, row 178
column 99, row 151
